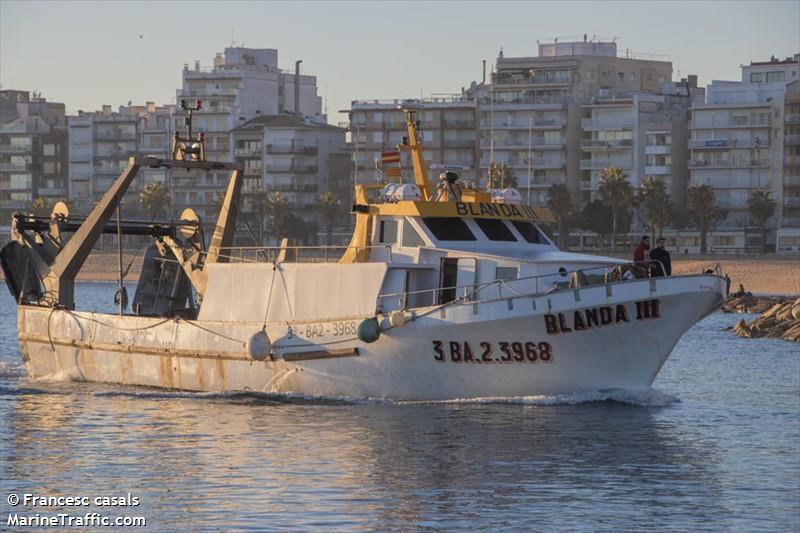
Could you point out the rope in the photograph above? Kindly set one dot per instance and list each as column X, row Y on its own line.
column 111, row 326
column 269, row 297
column 178, row 319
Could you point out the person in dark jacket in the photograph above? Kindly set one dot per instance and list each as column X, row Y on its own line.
column 662, row 265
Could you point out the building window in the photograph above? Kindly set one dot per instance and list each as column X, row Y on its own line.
column 49, row 149
column 776, row 76
column 427, row 136
column 756, row 77
column 20, row 181
column 377, row 136
column 377, row 117
column 51, row 167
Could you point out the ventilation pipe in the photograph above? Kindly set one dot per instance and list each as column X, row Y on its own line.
column 297, row 86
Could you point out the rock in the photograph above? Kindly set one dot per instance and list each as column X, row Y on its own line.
column 785, row 313
column 778, row 317
column 773, row 310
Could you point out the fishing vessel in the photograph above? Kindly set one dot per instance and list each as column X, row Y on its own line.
column 445, row 292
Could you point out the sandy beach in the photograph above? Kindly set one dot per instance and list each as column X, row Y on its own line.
column 770, row 274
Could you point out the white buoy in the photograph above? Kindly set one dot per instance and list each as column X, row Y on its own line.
column 259, row 346
column 397, row 319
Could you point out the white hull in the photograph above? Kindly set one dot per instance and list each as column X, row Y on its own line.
column 324, row 359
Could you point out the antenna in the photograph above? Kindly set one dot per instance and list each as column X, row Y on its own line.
column 325, row 110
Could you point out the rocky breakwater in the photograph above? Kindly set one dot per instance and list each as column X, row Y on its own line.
column 779, row 316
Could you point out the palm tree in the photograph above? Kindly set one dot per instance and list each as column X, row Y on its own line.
column 596, row 216
column 617, row 193
column 279, row 215
column 701, row 204
column 501, row 176
column 654, row 197
column 260, row 202
column 761, row 208
column 329, row 208
column 154, row 198
column 559, row 200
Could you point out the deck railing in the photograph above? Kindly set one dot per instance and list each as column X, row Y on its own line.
column 291, row 254
column 570, row 280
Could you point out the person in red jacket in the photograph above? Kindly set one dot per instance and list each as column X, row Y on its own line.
column 640, row 253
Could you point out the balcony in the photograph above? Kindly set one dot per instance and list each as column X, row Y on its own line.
column 459, row 143
column 599, row 124
column 592, row 144
column 292, row 169
column 293, row 187
column 291, row 148
column 8, row 148
column 728, row 163
column 600, row 164
column 658, row 149
column 791, row 118
column 459, row 123
column 791, row 181
column 247, row 152
column 550, row 123
column 658, row 170
column 540, row 79
column 116, row 134
column 12, row 167
column 717, row 144
column 791, row 140
column 52, row 191
column 792, row 201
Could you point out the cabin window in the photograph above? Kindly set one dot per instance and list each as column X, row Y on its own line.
column 388, row 231
column 529, row 232
column 410, row 236
column 506, row 273
column 495, row 229
column 449, row 229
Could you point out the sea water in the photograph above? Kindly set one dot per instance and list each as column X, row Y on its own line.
column 715, row 445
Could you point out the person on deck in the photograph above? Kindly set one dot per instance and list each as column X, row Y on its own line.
column 662, row 263
column 640, row 253
column 640, row 269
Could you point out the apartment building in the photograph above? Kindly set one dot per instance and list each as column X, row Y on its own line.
column 530, row 115
column 33, row 151
column 242, row 83
column 101, row 142
column 447, row 125
column 788, row 235
column 644, row 134
column 295, row 156
column 738, row 142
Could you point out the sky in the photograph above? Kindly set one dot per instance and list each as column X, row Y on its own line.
column 87, row 54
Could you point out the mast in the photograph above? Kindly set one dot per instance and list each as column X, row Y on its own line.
column 420, row 174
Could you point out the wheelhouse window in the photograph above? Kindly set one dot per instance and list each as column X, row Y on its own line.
column 495, row 229
column 449, row 229
column 506, row 273
column 530, row 232
column 410, row 237
column 387, row 232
